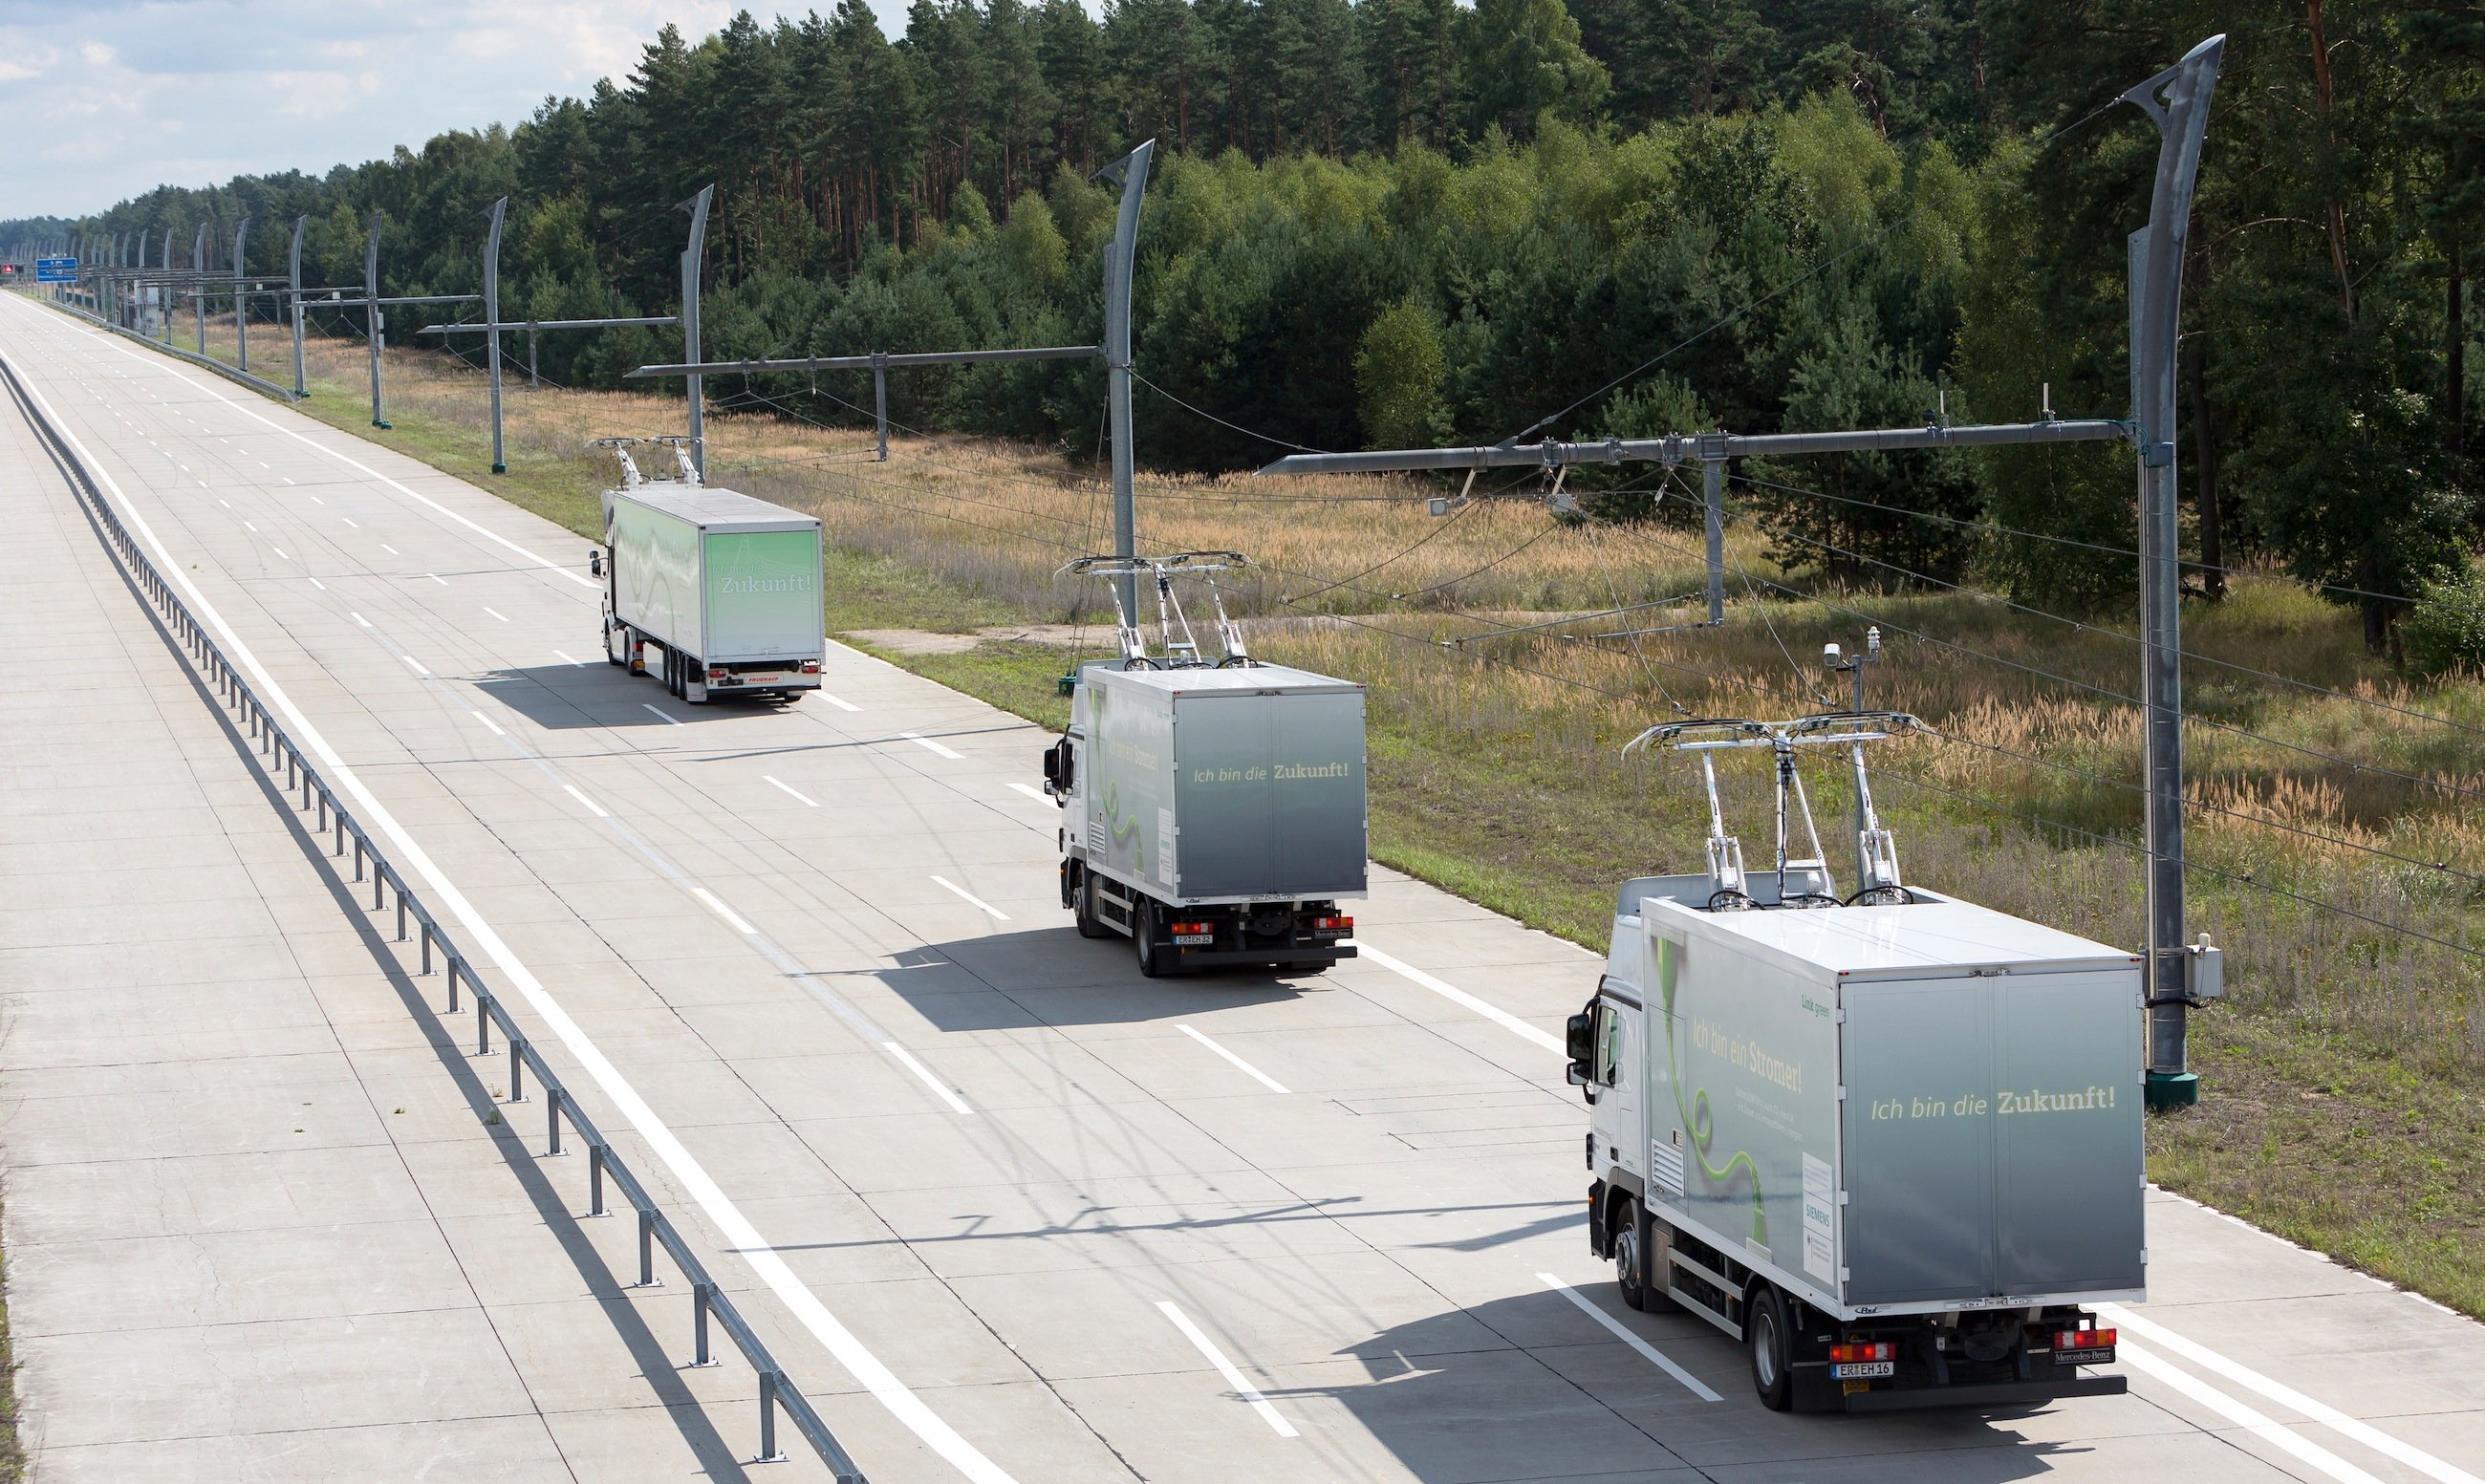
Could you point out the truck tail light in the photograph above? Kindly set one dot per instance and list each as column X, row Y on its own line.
column 2084, row 1339
column 1334, row 923
column 810, row 667
column 1856, row 1355
column 716, row 672
column 1187, row 929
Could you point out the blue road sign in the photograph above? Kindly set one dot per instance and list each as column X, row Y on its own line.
column 55, row 270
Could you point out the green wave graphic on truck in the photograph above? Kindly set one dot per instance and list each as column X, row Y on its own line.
column 1697, row 1121
column 1125, row 831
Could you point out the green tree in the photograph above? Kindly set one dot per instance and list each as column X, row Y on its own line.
column 1398, row 368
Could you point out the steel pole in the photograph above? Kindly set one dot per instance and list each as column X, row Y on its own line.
column 1712, row 495
column 693, row 258
column 880, row 399
column 373, row 321
column 293, row 272
column 492, row 317
column 1132, row 170
column 2177, row 101
column 199, row 295
column 241, row 299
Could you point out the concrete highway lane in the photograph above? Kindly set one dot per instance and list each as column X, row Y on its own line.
column 1007, row 1210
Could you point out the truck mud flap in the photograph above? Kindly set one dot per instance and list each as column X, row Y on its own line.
column 1993, row 1396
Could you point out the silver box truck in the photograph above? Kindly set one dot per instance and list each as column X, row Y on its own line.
column 725, row 585
column 1212, row 812
column 1892, row 1143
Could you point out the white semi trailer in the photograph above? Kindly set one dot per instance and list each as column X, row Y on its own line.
column 724, row 586
column 1890, row 1142
column 1212, row 809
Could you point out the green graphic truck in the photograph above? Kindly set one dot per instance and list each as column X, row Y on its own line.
column 724, row 586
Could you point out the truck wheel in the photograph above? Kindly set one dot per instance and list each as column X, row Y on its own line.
column 616, row 646
column 1090, row 924
column 1630, row 1255
column 1146, row 923
column 1766, row 1336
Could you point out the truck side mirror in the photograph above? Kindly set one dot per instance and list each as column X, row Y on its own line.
column 1578, row 1074
column 1579, row 1038
column 595, row 561
column 1051, row 768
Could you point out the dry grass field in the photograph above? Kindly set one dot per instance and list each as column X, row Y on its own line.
column 2342, row 1076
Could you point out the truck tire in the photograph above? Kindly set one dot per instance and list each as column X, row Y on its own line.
column 1630, row 1253
column 616, row 645
column 1770, row 1339
column 1090, row 925
column 1147, row 923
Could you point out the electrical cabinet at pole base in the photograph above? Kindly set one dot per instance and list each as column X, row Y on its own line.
column 723, row 587
column 1889, row 1141
column 1210, row 812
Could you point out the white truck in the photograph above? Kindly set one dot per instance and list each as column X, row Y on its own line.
column 1892, row 1143
column 725, row 586
column 1212, row 810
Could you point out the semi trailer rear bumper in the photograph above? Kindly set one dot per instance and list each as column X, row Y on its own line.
column 1985, row 1397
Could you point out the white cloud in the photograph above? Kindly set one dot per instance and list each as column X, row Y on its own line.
column 121, row 95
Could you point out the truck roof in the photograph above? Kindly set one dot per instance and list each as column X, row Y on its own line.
column 713, row 508
column 1934, row 931
column 1203, row 681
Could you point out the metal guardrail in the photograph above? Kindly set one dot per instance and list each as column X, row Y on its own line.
column 303, row 780
column 234, row 373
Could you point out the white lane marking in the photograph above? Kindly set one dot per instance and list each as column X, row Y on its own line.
column 667, row 715
column 925, row 742
column 972, row 898
column 2329, row 1416
column 838, row 702
column 264, row 465
column 226, row 503
column 489, row 724
column 732, row 1224
column 1648, row 1351
column 360, row 619
column 1033, row 793
column 246, row 526
column 437, row 577
column 925, row 1073
column 565, row 659
column 1225, row 1368
column 1248, row 1070
column 798, row 793
column 732, row 919
column 280, row 552
column 350, row 520
column 497, row 613
column 592, row 806
column 1493, row 1012
column 416, row 663
column 322, row 586
column 315, row 499
column 392, row 551
column 2258, row 1424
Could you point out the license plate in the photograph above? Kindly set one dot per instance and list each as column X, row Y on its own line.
column 2096, row 1356
column 1863, row 1370
column 1194, row 939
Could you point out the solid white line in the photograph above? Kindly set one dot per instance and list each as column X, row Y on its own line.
column 497, row 613
column 840, row 703
column 565, row 659
column 736, row 1228
column 487, row 722
column 2258, row 1424
column 971, row 896
column 924, row 1073
column 667, row 715
column 2338, row 1421
column 594, row 807
column 1249, row 1070
column 926, row 742
column 732, row 918
column 1033, row 793
column 790, row 789
column 1225, row 1368
column 416, row 663
column 1648, row 1351
column 1491, row 1013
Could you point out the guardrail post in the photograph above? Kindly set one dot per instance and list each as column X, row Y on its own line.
column 449, row 961
column 768, row 1453
column 699, row 1324
column 379, row 883
column 482, row 1022
column 646, row 1249
column 426, row 953
column 517, row 1070
column 339, row 849
column 401, row 913
column 552, row 1122
column 596, row 1179
column 358, row 861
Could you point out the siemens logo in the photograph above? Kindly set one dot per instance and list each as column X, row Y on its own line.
column 784, row 585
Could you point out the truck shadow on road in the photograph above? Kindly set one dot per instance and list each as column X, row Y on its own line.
column 562, row 697
column 1060, row 979
column 1529, row 1386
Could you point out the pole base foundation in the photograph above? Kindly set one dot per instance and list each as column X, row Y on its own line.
column 2172, row 1090
column 500, row 468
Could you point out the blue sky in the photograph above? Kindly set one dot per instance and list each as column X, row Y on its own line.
column 100, row 100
